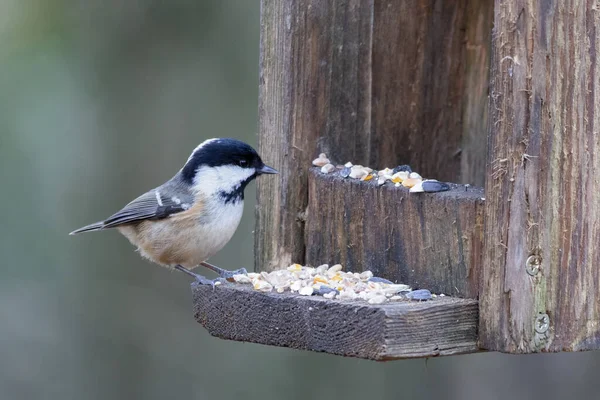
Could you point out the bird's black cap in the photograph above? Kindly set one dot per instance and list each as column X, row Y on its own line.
column 223, row 151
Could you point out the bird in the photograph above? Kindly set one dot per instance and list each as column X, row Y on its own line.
column 188, row 219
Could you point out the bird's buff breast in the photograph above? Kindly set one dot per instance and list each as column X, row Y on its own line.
column 186, row 238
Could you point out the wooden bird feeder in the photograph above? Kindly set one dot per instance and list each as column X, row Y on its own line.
column 500, row 95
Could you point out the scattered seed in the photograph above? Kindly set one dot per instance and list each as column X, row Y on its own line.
column 323, row 290
column 306, row 291
column 296, row 286
column 410, row 182
column 335, row 268
column 377, row 279
column 357, row 173
column 365, row 276
column 418, row 188
column 321, row 161
column 347, row 295
column 327, row 168
column 400, row 176
column 280, row 278
column 395, row 288
column 294, row 268
column 432, row 185
column 321, row 269
column 263, row 286
column 402, row 168
column 344, row 173
column 377, row 299
column 332, row 283
column 421, row 294
column 242, row 278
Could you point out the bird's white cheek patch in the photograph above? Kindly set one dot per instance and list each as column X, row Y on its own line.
column 226, row 178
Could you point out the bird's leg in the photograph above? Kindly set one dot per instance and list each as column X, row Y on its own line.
column 199, row 278
column 223, row 273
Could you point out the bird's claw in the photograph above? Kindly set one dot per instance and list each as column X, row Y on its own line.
column 202, row 280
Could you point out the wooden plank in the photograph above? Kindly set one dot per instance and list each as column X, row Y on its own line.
column 375, row 82
column 442, row 326
column 543, row 189
column 427, row 240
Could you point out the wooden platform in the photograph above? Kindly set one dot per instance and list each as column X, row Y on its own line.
column 442, row 326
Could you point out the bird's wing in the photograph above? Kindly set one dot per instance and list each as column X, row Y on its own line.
column 151, row 205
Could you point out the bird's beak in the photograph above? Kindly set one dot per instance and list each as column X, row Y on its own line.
column 265, row 169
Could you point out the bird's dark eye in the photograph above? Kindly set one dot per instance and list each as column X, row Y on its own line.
column 243, row 163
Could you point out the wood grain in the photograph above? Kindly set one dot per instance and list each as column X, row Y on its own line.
column 427, row 240
column 375, row 82
column 314, row 72
column 429, row 87
column 543, row 187
column 438, row 327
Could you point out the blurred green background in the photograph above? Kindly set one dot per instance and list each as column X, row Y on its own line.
column 101, row 100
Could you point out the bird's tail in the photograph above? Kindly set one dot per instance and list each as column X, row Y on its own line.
column 88, row 228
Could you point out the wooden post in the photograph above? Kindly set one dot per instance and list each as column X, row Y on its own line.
column 541, row 269
column 374, row 82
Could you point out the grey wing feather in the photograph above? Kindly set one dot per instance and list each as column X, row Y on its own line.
column 144, row 207
column 150, row 205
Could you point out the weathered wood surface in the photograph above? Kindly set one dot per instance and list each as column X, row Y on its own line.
column 543, row 186
column 427, row 240
column 443, row 326
column 430, row 66
column 375, row 82
column 476, row 64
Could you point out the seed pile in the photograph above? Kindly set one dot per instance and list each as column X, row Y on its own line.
column 401, row 175
column 332, row 283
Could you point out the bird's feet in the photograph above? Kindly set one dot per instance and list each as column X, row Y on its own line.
column 202, row 280
column 223, row 273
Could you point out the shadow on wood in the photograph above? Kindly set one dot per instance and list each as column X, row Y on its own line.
column 442, row 326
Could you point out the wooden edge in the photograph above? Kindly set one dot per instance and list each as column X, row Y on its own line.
column 438, row 327
column 457, row 190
